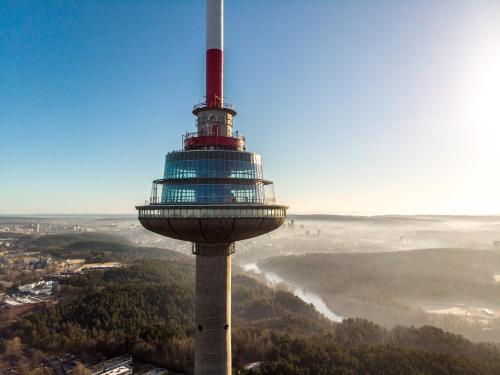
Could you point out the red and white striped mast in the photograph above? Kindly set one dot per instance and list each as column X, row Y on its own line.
column 215, row 54
column 215, row 118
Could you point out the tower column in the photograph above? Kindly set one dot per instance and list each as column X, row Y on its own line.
column 213, row 309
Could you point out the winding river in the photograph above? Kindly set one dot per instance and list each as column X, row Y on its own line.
column 304, row 295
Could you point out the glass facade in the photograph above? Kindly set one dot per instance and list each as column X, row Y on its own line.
column 214, row 193
column 213, row 163
column 213, row 176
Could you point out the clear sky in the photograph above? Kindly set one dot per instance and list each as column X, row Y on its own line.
column 356, row 106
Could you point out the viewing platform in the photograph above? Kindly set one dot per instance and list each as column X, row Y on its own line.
column 211, row 223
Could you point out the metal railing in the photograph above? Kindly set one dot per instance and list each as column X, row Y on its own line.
column 235, row 135
column 265, row 196
column 212, row 211
column 214, row 105
column 203, row 200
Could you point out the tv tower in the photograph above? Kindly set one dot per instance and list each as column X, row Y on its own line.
column 213, row 193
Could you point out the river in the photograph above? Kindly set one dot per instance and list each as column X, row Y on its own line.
column 303, row 294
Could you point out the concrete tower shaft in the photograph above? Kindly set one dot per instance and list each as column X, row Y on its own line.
column 215, row 121
column 215, row 54
column 213, row 310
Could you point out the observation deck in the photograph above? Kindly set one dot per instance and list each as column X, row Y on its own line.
column 212, row 223
column 212, row 196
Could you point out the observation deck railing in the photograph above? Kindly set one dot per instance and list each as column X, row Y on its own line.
column 242, row 200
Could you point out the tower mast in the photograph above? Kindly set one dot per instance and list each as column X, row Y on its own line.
column 215, row 53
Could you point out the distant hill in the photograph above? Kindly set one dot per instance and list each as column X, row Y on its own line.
column 94, row 247
column 430, row 273
column 361, row 218
column 388, row 287
column 394, row 218
column 59, row 240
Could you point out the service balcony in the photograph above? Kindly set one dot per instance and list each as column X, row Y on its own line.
column 198, row 141
column 214, row 105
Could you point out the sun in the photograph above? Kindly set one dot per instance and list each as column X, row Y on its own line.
column 478, row 120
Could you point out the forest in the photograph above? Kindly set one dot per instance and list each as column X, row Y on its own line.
column 146, row 309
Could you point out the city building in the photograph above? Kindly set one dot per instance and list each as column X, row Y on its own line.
column 44, row 287
column 69, row 364
column 115, row 366
column 213, row 193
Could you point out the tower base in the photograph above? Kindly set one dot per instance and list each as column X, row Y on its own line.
column 213, row 309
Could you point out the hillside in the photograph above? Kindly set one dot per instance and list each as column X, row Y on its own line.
column 146, row 309
column 94, row 247
column 440, row 273
column 396, row 287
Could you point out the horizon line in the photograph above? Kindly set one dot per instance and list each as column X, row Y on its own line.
column 300, row 213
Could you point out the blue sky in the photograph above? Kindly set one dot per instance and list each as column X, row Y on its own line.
column 356, row 106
